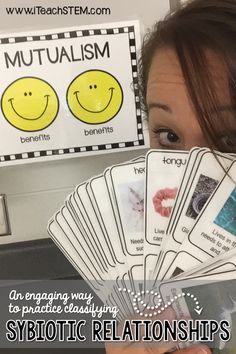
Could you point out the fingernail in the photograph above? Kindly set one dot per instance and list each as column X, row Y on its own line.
column 203, row 351
column 168, row 314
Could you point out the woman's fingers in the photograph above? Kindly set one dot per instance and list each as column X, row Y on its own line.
column 137, row 350
column 141, row 350
column 129, row 347
column 193, row 350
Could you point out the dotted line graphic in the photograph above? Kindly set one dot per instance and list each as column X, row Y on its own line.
column 160, row 307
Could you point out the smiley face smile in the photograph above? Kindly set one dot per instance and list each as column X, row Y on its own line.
column 12, row 99
column 93, row 111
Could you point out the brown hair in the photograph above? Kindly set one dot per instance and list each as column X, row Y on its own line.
column 195, row 27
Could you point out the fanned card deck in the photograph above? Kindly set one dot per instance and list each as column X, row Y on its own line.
column 144, row 230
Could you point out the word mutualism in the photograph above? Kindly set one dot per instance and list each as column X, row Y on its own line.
column 40, row 56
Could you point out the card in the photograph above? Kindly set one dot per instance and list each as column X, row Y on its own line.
column 65, row 222
column 164, row 170
column 127, row 188
column 93, row 225
column 74, row 257
column 101, row 200
column 204, row 178
column 209, row 297
column 223, row 262
column 215, row 229
column 127, row 183
column 166, row 254
column 78, row 244
column 73, row 206
column 193, row 157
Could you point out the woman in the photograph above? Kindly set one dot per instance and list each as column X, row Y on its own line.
column 188, row 86
column 188, row 77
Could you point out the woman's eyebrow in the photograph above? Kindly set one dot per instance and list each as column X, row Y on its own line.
column 159, row 105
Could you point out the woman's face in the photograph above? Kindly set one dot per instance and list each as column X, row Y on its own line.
column 172, row 121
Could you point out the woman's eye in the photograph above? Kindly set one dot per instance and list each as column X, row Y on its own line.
column 167, row 137
column 229, row 141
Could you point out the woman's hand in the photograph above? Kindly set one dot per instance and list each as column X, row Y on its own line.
column 129, row 349
column 143, row 348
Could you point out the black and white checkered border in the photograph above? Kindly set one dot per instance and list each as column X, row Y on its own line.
column 70, row 34
column 82, row 33
column 134, row 63
column 83, row 149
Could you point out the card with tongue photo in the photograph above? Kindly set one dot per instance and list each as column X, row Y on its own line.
column 167, row 252
column 164, row 170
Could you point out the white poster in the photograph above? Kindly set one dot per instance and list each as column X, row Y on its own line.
column 70, row 92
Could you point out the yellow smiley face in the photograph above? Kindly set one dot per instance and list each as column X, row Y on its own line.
column 30, row 104
column 94, row 97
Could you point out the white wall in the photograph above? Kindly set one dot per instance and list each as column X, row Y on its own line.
column 147, row 11
column 35, row 191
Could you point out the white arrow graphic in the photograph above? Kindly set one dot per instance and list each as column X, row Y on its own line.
column 198, row 311
column 159, row 308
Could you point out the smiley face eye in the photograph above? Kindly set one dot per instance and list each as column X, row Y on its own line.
column 95, row 86
column 90, row 86
column 25, row 93
column 30, row 93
